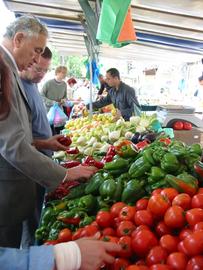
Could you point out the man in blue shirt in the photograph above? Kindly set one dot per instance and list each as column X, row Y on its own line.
column 40, row 127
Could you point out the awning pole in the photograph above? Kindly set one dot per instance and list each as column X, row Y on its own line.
column 91, row 86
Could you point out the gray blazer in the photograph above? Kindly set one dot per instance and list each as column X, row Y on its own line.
column 21, row 165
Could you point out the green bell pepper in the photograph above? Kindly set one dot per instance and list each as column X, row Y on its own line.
column 132, row 192
column 183, row 183
column 196, row 148
column 116, row 164
column 86, row 221
column 170, row 163
column 76, row 192
column 48, row 215
column 41, row 233
column 107, row 189
column 148, row 156
column 94, row 184
column 87, row 202
column 156, row 174
column 139, row 168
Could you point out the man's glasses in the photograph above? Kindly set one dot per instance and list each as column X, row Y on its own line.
column 40, row 70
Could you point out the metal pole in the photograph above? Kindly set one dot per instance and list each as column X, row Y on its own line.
column 91, row 78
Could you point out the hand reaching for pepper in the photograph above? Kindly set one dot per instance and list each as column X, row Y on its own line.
column 52, row 143
column 80, row 173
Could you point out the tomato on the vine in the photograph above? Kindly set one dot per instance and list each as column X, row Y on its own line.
column 194, row 216
column 195, row 262
column 143, row 241
column 65, row 235
column 159, row 267
column 143, row 217
column 183, row 200
column 177, row 260
column 169, row 243
column 174, row 217
column 158, row 205
column 141, row 204
column 197, row 201
column 116, row 208
column 127, row 213
column 119, row 264
column 171, row 193
column 162, row 229
column 156, row 255
column 104, row 219
column 125, row 243
column 125, row 228
column 108, row 231
column 193, row 244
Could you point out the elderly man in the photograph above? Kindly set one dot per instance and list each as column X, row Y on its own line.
column 21, row 164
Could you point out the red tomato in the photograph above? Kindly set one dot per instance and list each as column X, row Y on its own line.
column 198, row 226
column 194, row 243
column 159, row 267
column 127, row 213
column 156, row 191
column 169, row 243
column 178, row 125
column 143, row 241
column 119, row 264
column 187, row 125
column 174, row 217
column 200, row 190
column 184, row 233
column 137, row 267
column 109, row 231
column 183, row 200
column 171, row 193
column 140, row 228
column 76, row 234
column 141, row 204
column 125, row 243
column 156, row 255
column 195, row 263
column 143, row 217
column 51, row 242
column 125, row 228
column 177, row 260
column 158, row 205
column 181, row 248
column 104, row 219
column 89, row 230
column 116, row 208
column 161, row 229
column 197, row 201
column 194, row 216
column 65, row 235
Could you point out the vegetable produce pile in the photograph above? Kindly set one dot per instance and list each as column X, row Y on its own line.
column 164, row 231
column 132, row 174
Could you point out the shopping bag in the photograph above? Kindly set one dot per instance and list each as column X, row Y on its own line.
column 60, row 117
column 51, row 114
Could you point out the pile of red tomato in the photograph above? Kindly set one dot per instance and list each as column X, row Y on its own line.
column 162, row 232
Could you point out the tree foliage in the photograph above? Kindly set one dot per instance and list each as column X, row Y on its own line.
column 75, row 64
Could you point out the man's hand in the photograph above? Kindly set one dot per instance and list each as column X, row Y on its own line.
column 80, row 173
column 95, row 253
column 51, row 144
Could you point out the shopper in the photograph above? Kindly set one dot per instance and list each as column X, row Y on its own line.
column 103, row 85
column 40, row 130
column 83, row 254
column 121, row 95
column 21, row 164
column 55, row 90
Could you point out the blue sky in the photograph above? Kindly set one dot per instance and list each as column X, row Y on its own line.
column 6, row 17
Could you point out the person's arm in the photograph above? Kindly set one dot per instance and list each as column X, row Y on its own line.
column 48, row 102
column 101, row 103
column 50, row 144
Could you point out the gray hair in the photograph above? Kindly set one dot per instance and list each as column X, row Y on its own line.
column 29, row 25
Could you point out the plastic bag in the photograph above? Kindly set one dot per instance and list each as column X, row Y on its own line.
column 56, row 116
column 51, row 114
